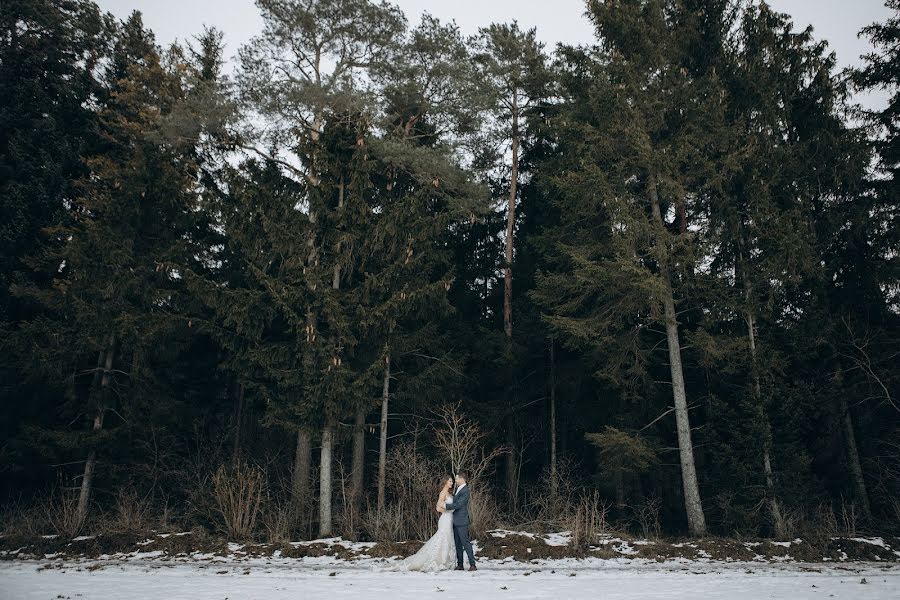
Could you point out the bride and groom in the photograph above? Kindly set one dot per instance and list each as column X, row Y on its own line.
column 447, row 545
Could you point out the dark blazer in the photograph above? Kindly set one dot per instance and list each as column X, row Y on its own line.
column 460, row 507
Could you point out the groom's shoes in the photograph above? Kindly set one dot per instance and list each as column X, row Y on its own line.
column 459, row 568
column 471, row 568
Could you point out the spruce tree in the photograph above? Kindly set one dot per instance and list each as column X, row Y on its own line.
column 110, row 259
column 303, row 71
column 514, row 77
column 634, row 118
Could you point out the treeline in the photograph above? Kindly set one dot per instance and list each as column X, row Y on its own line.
column 654, row 278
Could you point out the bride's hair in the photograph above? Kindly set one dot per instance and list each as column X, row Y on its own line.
column 444, row 481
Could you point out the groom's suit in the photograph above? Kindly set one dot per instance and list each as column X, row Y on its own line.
column 460, row 508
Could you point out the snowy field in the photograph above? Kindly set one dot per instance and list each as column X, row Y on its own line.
column 327, row 578
column 235, row 572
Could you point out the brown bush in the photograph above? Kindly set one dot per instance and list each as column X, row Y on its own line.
column 61, row 512
column 386, row 525
column 413, row 483
column 590, row 519
column 130, row 514
column 238, row 490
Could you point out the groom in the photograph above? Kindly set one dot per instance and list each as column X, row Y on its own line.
column 460, row 508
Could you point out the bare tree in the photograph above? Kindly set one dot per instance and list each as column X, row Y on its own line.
column 462, row 441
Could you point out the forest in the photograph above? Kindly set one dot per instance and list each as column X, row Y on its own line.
column 649, row 285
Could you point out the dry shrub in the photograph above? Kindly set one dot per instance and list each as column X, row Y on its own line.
column 61, row 512
column 386, row 525
column 484, row 514
column 20, row 521
column 553, row 510
column 590, row 519
column 647, row 515
column 348, row 519
column 131, row 513
column 239, row 490
column 826, row 523
column 895, row 509
column 413, row 482
column 278, row 522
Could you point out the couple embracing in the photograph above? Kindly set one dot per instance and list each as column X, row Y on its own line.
column 451, row 540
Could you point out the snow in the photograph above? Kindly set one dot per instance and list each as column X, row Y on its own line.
column 330, row 578
column 243, row 573
column 563, row 538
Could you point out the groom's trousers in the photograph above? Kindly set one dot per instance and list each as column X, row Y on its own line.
column 461, row 538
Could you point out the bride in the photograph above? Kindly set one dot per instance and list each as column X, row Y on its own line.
column 439, row 552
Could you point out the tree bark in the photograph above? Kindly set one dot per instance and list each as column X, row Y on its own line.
column 357, row 470
column 325, row 526
column 774, row 506
column 778, row 523
column 87, row 479
column 382, row 440
column 325, row 463
column 862, row 494
column 511, row 457
column 302, row 461
column 692, row 502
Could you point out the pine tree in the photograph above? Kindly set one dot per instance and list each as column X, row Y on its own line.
column 110, row 259
column 301, row 72
column 628, row 139
column 48, row 57
column 429, row 108
column 514, row 76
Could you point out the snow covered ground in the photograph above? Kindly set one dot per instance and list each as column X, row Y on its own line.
column 326, row 578
column 238, row 572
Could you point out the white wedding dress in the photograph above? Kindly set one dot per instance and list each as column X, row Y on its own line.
column 438, row 553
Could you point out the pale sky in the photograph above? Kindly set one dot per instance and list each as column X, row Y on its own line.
column 837, row 21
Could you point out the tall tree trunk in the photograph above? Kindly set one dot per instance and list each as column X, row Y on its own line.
column 862, row 494
column 105, row 360
column 325, row 463
column 554, row 483
column 357, row 469
column 325, row 526
column 774, row 506
column 778, row 522
column 693, row 505
column 382, row 440
column 512, row 455
column 302, row 461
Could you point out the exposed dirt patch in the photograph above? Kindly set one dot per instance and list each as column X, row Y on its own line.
column 389, row 549
column 519, row 547
column 524, row 548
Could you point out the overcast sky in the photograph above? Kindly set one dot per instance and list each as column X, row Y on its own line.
column 837, row 21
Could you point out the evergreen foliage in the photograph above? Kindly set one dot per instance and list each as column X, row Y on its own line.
column 664, row 266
